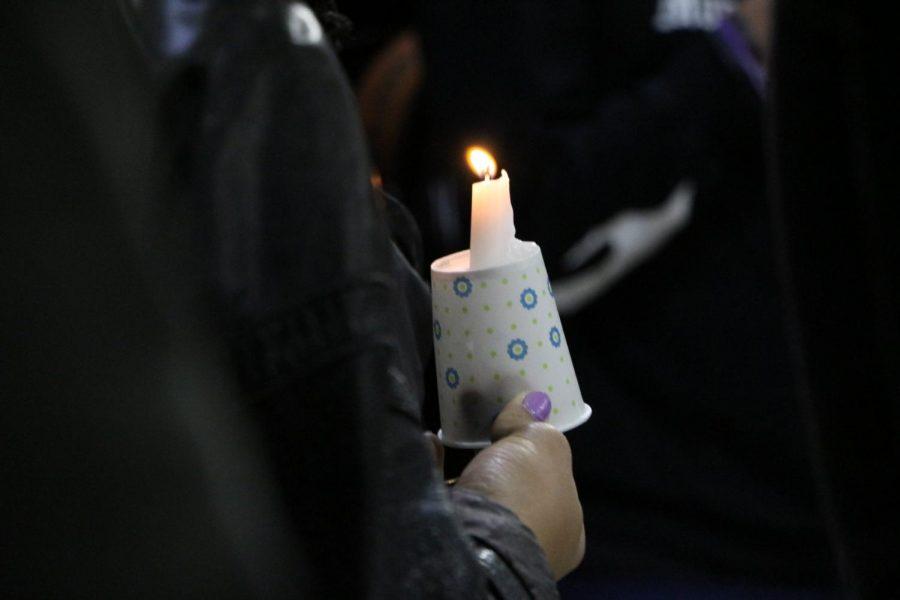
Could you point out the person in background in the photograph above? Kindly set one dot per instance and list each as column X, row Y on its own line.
column 698, row 473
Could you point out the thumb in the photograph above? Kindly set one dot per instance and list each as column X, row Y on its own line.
column 524, row 409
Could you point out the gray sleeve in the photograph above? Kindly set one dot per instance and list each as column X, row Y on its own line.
column 505, row 548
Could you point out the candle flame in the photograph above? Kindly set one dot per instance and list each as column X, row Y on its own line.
column 481, row 162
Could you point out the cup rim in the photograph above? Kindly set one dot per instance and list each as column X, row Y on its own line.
column 533, row 251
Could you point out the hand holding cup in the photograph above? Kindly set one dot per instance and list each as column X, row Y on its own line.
column 528, row 469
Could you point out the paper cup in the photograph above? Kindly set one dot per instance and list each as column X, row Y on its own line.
column 497, row 334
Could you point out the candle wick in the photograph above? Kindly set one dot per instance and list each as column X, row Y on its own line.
column 487, row 175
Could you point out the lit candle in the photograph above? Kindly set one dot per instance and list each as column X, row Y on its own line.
column 493, row 232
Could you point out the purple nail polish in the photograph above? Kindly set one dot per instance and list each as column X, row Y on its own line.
column 538, row 404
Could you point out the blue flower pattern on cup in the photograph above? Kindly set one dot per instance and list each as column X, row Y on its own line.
column 437, row 330
column 528, row 299
column 517, row 349
column 452, row 378
column 462, row 287
column 555, row 337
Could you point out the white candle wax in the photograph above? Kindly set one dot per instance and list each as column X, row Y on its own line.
column 493, row 230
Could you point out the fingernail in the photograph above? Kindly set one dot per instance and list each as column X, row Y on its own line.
column 538, row 404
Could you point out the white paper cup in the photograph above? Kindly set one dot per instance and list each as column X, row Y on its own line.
column 497, row 334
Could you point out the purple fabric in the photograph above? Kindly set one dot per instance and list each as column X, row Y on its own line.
column 736, row 44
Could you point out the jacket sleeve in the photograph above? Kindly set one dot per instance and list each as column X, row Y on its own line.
column 504, row 547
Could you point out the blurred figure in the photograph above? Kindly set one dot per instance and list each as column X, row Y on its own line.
column 700, row 469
